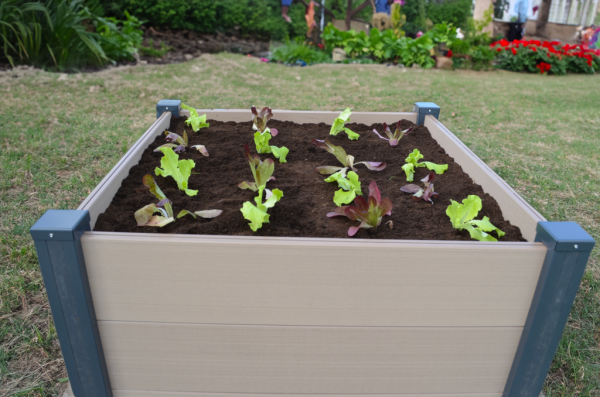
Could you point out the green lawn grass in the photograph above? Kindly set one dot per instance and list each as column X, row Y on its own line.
column 60, row 134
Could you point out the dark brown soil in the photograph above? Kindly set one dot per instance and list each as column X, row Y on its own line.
column 307, row 198
column 186, row 45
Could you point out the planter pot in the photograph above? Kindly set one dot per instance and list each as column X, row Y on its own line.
column 161, row 315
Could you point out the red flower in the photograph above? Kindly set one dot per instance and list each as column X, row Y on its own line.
column 514, row 51
column 321, row 46
column 534, row 49
column 543, row 67
column 499, row 49
column 504, row 43
column 449, row 54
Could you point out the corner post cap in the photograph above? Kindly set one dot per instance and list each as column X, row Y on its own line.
column 564, row 236
column 423, row 109
column 168, row 105
column 62, row 225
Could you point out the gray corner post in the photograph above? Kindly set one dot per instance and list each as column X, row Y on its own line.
column 57, row 236
column 168, row 105
column 423, row 109
column 569, row 248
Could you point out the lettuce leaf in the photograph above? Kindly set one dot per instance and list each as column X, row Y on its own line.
column 257, row 214
column 180, row 170
column 462, row 218
column 280, row 153
column 261, row 140
column 350, row 187
column 338, row 125
column 195, row 120
column 412, row 162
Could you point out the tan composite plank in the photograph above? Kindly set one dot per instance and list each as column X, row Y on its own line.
column 306, row 116
column 319, row 360
column 143, row 393
column 101, row 197
column 307, row 281
column 514, row 207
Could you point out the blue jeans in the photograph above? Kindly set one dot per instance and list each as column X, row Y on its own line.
column 286, row 3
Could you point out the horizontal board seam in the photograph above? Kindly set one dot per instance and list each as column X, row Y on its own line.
column 308, row 326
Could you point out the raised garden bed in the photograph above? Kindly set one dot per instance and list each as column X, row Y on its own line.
column 384, row 313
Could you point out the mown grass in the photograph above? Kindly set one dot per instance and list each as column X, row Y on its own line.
column 60, row 134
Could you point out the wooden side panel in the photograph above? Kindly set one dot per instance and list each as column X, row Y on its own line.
column 514, row 207
column 303, row 117
column 305, row 281
column 143, row 393
column 309, row 360
column 99, row 200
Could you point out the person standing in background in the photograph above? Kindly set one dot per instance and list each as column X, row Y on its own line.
column 383, row 6
column 285, row 6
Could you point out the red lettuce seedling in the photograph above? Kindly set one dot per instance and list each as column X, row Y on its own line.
column 261, row 171
column 412, row 162
column 145, row 216
column 180, row 143
column 264, row 134
column 369, row 213
column 422, row 194
column 346, row 159
column 195, row 120
column 395, row 137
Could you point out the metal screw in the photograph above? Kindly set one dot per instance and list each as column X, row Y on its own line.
column 576, row 246
column 52, row 235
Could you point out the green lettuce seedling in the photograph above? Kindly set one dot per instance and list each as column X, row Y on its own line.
column 369, row 213
column 412, row 162
column 257, row 214
column 346, row 159
column 462, row 218
column 338, row 125
column 263, row 134
column 180, row 170
column 350, row 187
column 180, row 143
column 195, row 120
column 145, row 216
column 262, row 171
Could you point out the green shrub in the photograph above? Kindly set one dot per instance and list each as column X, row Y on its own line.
column 260, row 18
column 385, row 46
column 294, row 51
column 154, row 52
column 56, row 34
column 456, row 12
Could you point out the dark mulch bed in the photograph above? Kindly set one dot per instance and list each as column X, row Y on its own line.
column 307, row 198
column 188, row 44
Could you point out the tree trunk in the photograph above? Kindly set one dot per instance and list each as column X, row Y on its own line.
column 543, row 18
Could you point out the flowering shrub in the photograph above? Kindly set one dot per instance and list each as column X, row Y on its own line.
column 536, row 56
